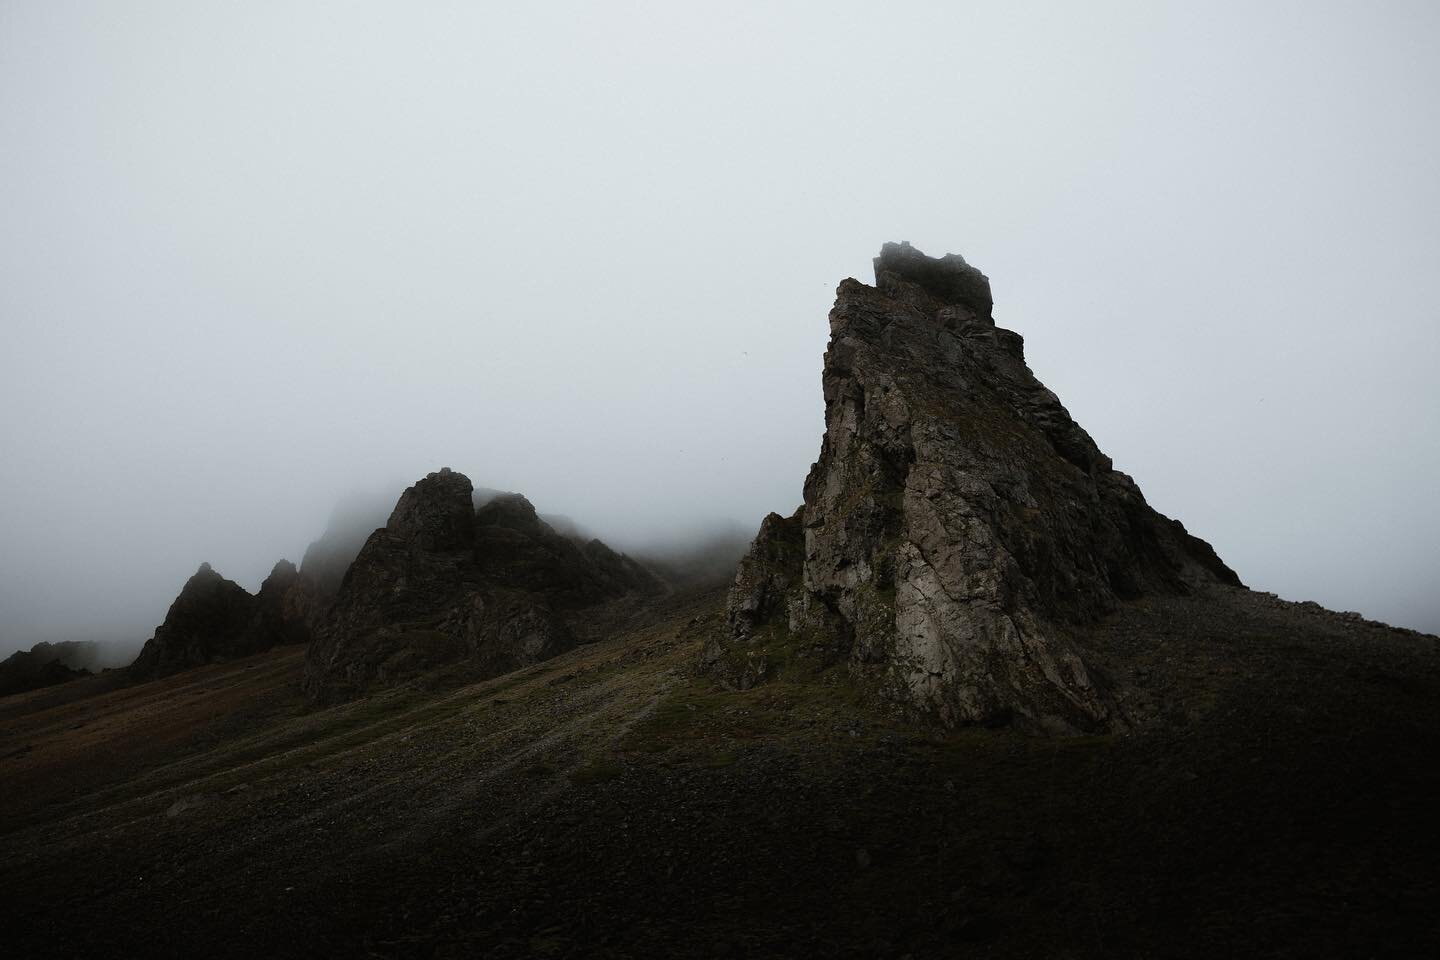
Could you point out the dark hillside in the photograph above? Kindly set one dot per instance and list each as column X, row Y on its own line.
column 1276, row 800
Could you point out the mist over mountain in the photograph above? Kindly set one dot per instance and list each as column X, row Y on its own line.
column 256, row 258
column 976, row 679
column 691, row 550
column 470, row 488
column 47, row 664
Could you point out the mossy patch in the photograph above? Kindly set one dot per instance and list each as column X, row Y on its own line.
column 805, row 690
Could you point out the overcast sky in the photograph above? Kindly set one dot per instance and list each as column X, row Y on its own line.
column 254, row 256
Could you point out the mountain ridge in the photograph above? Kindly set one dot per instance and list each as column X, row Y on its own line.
column 444, row 580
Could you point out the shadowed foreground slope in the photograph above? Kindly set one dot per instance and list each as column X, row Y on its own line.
column 1276, row 798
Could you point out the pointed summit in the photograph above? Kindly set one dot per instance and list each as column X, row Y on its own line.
column 948, row 278
column 209, row 620
column 444, row 581
column 957, row 520
column 437, row 512
column 217, row 619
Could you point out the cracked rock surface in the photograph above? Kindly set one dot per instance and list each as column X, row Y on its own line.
column 958, row 522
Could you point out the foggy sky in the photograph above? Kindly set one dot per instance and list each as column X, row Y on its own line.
column 255, row 256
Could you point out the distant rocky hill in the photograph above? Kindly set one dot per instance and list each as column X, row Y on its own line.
column 444, row 581
column 217, row 619
column 359, row 515
column 957, row 521
column 46, row 664
column 450, row 572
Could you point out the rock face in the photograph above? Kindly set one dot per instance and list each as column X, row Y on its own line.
column 217, row 619
column 444, row 581
column 286, row 608
column 957, row 519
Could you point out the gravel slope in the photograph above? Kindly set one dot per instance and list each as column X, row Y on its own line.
column 1273, row 796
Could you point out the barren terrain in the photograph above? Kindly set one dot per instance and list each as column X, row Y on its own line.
column 1273, row 796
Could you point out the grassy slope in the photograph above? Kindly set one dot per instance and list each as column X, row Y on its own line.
column 1275, row 799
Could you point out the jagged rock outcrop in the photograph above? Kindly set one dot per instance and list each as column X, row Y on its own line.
column 286, row 608
column 208, row 621
column 445, row 581
column 767, row 589
column 957, row 518
column 435, row 515
column 768, row 580
column 217, row 619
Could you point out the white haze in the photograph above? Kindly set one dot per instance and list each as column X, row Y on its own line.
column 254, row 256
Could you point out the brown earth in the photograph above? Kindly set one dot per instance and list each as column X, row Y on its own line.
column 1273, row 795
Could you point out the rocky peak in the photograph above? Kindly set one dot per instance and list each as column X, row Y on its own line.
column 957, row 519
column 217, row 619
column 205, row 584
column 208, row 621
column 437, row 513
column 445, row 581
column 948, row 279
column 281, row 575
column 287, row 607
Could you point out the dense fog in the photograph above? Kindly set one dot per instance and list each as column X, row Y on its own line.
column 259, row 258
